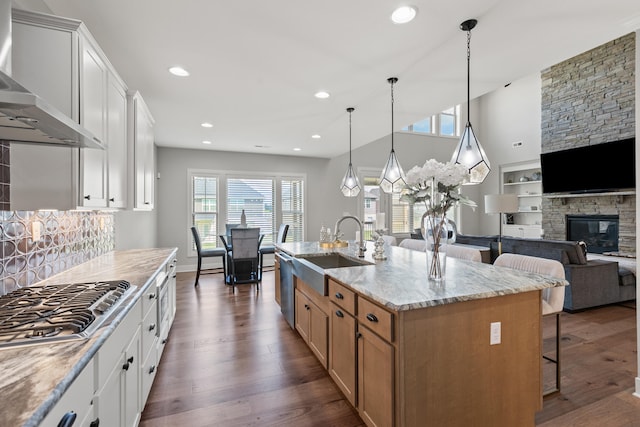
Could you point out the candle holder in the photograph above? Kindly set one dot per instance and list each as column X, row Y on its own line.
column 378, row 252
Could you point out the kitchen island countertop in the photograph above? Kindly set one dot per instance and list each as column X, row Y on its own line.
column 34, row 377
column 400, row 282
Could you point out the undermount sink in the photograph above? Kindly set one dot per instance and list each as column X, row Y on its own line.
column 335, row 260
column 311, row 268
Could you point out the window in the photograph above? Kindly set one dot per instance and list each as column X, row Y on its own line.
column 372, row 204
column 255, row 197
column 292, row 196
column 447, row 123
column 268, row 200
column 205, row 209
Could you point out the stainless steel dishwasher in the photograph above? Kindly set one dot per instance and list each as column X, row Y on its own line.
column 287, row 299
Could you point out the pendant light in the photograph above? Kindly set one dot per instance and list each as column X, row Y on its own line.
column 392, row 179
column 469, row 152
column 350, row 186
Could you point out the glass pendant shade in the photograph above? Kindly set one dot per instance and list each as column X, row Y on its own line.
column 350, row 186
column 470, row 153
column 392, row 179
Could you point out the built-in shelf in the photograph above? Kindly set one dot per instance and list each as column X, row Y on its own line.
column 529, row 195
column 523, row 180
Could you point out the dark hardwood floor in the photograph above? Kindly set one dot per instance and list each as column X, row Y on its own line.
column 232, row 360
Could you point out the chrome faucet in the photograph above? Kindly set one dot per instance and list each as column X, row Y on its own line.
column 362, row 248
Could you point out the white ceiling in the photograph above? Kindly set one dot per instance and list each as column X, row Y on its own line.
column 255, row 64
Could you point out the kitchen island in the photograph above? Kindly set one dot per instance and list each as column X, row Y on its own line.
column 409, row 352
column 34, row 378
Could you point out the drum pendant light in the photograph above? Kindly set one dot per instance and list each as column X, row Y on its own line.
column 350, row 186
column 392, row 179
column 469, row 152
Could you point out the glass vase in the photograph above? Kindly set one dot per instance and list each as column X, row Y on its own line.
column 438, row 232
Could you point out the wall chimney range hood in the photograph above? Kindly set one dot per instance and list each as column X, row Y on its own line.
column 24, row 116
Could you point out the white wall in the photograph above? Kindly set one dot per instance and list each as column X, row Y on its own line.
column 507, row 115
column 173, row 198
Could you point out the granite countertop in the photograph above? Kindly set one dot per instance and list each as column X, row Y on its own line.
column 400, row 282
column 33, row 377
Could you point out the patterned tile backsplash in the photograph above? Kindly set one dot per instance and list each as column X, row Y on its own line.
column 66, row 240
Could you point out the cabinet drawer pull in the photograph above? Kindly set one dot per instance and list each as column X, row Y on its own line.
column 164, row 341
column 152, row 369
column 339, row 313
column 339, row 295
column 126, row 366
column 307, row 306
column 358, row 335
column 95, row 423
column 152, row 296
column 88, row 197
column 152, row 327
column 372, row 317
column 113, row 199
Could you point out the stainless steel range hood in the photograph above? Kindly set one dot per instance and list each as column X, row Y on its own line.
column 25, row 117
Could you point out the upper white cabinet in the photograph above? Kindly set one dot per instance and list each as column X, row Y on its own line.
column 141, row 142
column 58, row 59
column 117, row 136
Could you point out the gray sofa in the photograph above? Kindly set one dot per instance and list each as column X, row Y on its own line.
column 591, row 282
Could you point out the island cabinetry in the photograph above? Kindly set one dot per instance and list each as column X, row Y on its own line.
column 361, row 356
column 342, row 340
column 311, row 319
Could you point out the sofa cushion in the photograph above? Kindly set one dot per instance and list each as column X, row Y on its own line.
column 557, row 254
column 552, row 249
column 626, row 277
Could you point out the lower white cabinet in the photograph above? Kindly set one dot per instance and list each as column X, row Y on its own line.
column 78, row 398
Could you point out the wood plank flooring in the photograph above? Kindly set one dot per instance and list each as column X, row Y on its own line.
column 232, row 360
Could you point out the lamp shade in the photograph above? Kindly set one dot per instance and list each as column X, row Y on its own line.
column 500, row 203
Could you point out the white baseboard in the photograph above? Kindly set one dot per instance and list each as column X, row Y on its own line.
column 637, row 393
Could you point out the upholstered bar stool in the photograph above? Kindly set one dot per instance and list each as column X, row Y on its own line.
column 552, row 298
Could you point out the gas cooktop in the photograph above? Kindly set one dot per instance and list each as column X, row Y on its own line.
column 38, row 314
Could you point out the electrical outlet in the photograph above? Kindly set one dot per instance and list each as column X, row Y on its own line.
column 496, row 333
column 517, row 144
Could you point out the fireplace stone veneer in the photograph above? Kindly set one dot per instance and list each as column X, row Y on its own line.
column 556, row 210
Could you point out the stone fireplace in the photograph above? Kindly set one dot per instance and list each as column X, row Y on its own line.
column 599, row 232
column 587, row 100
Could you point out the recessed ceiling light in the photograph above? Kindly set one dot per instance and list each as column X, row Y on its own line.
column 316, row 136
column 297, row 149
column 322, row 95
column 178, row 71
column 404, row 14
column 206, row 142
column 206, row 125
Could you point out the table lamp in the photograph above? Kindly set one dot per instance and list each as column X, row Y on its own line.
column 500, row 204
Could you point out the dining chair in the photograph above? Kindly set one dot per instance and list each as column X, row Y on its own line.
column 462, row 252
column 552, row 298
column 244, row 256
column 270, row 249
column 205, row 253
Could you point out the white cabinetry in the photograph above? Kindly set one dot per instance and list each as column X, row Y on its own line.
column 141, row 142
column 58, row 59
column 118, row 397
column 78, row 398
column 525, row 181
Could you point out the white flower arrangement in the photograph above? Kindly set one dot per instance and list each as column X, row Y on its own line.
column 435, row 178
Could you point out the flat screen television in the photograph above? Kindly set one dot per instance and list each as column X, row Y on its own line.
column 592, row 169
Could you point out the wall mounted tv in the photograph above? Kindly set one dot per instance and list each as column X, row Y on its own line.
column 592, row 169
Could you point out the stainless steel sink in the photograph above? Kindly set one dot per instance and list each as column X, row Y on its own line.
column 335, row 260
column 311, row 268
